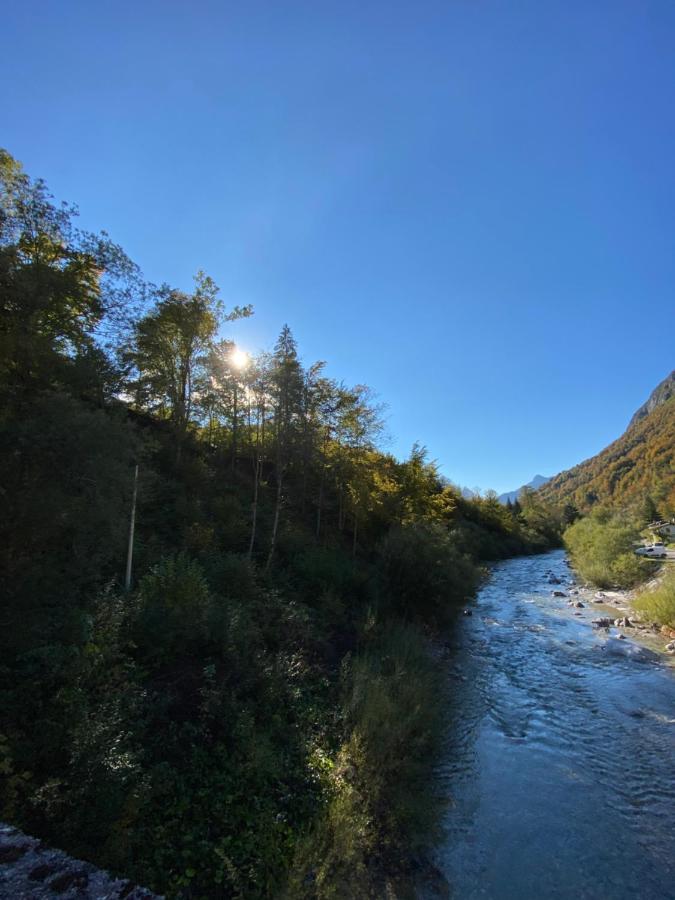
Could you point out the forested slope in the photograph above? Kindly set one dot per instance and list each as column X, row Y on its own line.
column 259, row 714
column 637, row 469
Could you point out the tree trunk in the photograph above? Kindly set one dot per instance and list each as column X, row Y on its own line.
column 235, row 412
column 320, row 503
column 132, row 527
column 356, row 531
column 256, row 481
column 275, row 524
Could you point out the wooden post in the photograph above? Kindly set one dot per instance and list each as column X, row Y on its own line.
column 132, row 525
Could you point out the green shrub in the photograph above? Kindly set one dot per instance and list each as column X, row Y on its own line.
column 173, row 606
column 602, row 549
column 421, row 573
column 394, row 703
column 382, row 805
column 659, row 604
column 321, row 569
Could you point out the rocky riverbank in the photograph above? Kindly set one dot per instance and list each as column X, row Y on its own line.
column 29, row 870
column 615, row 611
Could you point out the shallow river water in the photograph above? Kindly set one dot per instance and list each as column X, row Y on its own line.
column 560, row 767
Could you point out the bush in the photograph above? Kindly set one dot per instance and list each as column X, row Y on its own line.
column 602, row 549
column 659, row 604
column 382, row 805
column 421, row 573
column 394, row 703
column 173, row 606
column 321, row 569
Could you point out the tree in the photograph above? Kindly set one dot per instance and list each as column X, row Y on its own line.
column 60, row 288
column 570, row 514
column 224, row 389
column 328, row 398
column 170, row 346
column 259, row 402
column 649, row 511
column 360, row 424
column 287, row 392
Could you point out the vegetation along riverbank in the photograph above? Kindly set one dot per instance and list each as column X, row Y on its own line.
column 256, row 711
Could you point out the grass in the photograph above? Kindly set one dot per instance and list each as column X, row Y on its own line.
column 383, row 807
column 659, row 604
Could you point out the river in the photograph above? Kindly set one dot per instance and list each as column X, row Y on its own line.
column 560, row 764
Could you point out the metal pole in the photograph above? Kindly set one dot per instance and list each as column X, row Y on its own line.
column 132, row 525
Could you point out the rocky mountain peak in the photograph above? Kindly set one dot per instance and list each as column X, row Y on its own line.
column 661, row 393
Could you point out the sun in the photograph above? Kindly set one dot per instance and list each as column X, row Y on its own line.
column 239, row 358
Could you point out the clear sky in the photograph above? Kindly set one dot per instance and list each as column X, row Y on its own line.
column 468, row 205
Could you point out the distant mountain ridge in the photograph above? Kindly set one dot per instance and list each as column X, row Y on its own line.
column 638, row 465
column 537, row 482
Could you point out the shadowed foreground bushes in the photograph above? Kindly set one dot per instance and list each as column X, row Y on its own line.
column 261, row 703
column 422, row 574
column 382, row 807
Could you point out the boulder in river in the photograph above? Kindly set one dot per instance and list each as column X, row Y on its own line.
column 558, row 594
column 623, row 622
column 579, row 604
column 627, row 649
column 603, row 622
column 553, row 579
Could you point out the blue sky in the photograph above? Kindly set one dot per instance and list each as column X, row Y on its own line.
column 468, row 205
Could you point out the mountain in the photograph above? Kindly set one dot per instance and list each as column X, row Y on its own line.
column 658, row 397
column 637, row 466
column 537, row 482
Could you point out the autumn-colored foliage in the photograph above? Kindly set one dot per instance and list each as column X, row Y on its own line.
column 639, row 465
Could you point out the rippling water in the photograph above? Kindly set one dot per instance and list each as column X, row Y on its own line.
column 560, row 767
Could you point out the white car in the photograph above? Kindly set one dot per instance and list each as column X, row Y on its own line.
column 655, row 551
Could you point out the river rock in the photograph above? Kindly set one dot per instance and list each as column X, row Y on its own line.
column 617, row 647
column 30, row 870
column 553, row 579
column 671, row 647
column 579, row 605
column 603, row 622
column 623, row 622
column 558, row 594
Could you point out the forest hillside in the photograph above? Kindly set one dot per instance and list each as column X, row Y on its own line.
column 237, row 698
column 635, row 472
